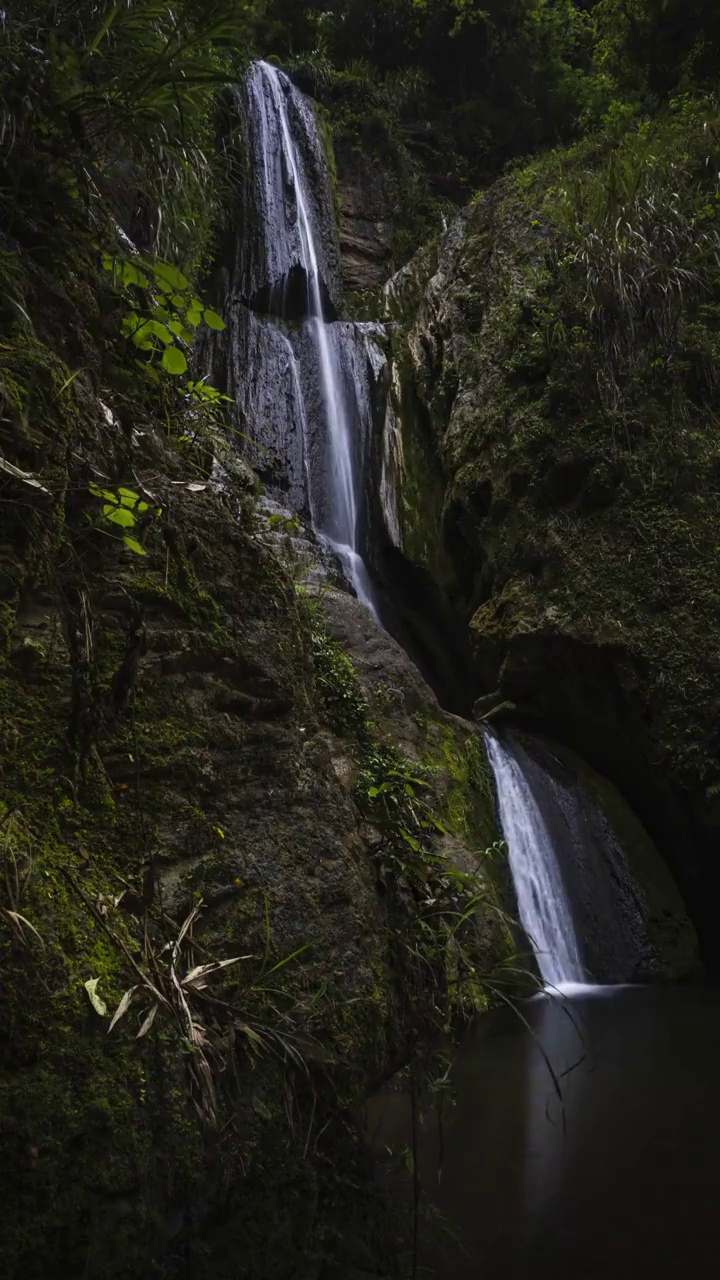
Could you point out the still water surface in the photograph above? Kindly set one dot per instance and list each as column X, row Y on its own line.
column 619, row 1180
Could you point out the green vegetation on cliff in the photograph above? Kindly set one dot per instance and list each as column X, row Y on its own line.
column 176, row 840
column 198, row 781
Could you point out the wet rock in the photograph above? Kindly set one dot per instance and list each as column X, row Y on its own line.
column 270, row 249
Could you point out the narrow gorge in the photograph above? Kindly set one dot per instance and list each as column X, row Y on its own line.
column 359, row 681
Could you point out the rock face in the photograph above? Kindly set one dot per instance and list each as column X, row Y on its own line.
column 185, row 740
column 581, row 546
column 270, row 252
column 364, row 231
column 630, row 923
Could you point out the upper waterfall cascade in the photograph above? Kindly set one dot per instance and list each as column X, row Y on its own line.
column 305, row 391
column 543, row 903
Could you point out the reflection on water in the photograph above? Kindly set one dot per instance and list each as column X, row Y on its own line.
column 586, row 1150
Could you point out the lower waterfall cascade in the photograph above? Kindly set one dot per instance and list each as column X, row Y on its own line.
column 543, row 904
column 594, row 896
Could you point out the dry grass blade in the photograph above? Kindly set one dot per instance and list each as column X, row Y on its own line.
column 22, row 923
column 150, row 1018
column 122, row 1008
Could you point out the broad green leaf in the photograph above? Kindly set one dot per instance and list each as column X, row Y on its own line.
column 132, row 276
column 119, row 515
column 178, row 300
column 213, row 320
column 107, row 494
column 133, row 545
column 169, row 278
column 141, row 333
column 128, row 498
column 160, row 331
column 193, row 318
column 174, row 361
column 178, row 328
column 96, row 1001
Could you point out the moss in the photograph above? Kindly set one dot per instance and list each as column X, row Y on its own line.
column 83, row 1116
column 470, row 803
column 579, row 505
column 341, row 700
column 325, row 130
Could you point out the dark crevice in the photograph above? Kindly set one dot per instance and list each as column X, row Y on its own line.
column 435, row 637
column 289, row 299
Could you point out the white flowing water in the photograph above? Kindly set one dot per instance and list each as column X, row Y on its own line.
column 335, row 517
column 543, row 903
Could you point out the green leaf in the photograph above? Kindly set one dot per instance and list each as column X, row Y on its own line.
column 128, row 498
column 178, row 328
column 409, row 840
column 104, row 29
column 178, row 300
column 169, row 278
column 119, row 515
column 132, row 276
column 213, row 320
column 133, row 545
column 139, row 333
column 97, row 1003
column 107, row 494
column 160, row 331
column 174, row 361
column 193, row 318
column 69, row 381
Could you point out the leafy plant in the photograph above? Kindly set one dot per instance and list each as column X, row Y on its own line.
column 121, row 509
column 436, row 906
column 163, row 312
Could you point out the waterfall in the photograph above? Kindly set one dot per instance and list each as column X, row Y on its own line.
column 319, row 403
column 543, row 903
column 594, row 896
